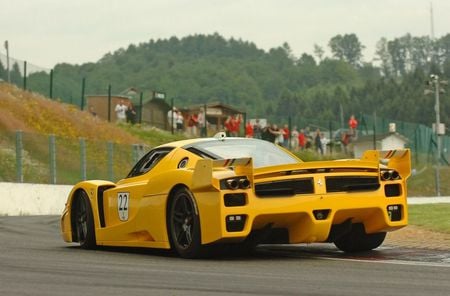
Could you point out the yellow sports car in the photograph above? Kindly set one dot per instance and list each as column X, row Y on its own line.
column 199, row 194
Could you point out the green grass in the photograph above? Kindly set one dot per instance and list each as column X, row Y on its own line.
column 151, row 135
column 423, row 182
column 434, row 217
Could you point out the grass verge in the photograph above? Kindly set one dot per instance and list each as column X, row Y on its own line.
column 434, row 217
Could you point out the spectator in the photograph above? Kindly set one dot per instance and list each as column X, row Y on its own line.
column 179, row 121
column 309, row 141
column 248, row 130
column 269, row 133
column 121, row 110
column 277, row 134
column 172, row 118
column 131, row 114
column 202, row 123
column 317, row 142
column 324, row 142
column 294, row 139
column 352, row 125
column 192, row 124
column 257, row 130
column 302, row 139
column 286, row 135
column 232, row 125
column 345, row 141
column 228, row 126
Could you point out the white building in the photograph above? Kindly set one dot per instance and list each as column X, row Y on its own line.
column 389, row 141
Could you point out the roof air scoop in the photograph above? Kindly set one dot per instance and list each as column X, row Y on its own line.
column 220, row 136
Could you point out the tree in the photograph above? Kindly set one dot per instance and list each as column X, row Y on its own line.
column 442, row 49
column 319, row 52
column 3, row 74
column 382, row 55
column 347, row 48
column 16, row 76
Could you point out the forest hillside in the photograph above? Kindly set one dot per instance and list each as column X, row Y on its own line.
column 273, row 84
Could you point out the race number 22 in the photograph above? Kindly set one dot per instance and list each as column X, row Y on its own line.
column 122, row 205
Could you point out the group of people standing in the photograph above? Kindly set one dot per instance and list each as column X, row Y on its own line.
column 192, row 122
column 125, row 112
column 295, row 140
column 299, row 139
column 232, row 125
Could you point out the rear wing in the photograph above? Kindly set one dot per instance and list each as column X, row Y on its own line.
column 399, row 160
column 204, row 168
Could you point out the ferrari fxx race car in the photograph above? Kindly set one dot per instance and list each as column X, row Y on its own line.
column 198, row 194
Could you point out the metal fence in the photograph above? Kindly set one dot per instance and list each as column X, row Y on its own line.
column 420, row 138
column 35, row 158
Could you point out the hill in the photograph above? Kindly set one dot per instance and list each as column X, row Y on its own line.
column 273, row 84
column 34, row 113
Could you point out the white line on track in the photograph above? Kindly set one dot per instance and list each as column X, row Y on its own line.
column 395, row 262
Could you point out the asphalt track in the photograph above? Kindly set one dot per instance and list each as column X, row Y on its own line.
column 35, row 261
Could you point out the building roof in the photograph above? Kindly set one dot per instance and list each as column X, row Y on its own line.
column 215, row 105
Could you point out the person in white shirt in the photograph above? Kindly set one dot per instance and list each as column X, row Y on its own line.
column 179, row 121
column 172, row 118
column 121, row 112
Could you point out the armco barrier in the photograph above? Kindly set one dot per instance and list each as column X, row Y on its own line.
column 32, row 199
column 41, row 199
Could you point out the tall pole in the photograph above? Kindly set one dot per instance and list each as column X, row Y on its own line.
column 173, row 116
column 51, row 84
column 431, row 21
column 140, row 106
column 7, row 61
column 25, row 75
column 83, row 87
column 438, row 138
column 109, row 103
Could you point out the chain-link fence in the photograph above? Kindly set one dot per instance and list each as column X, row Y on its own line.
column 36, row 158
column 419, row 138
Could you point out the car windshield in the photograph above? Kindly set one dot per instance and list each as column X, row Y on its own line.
column 262, row 152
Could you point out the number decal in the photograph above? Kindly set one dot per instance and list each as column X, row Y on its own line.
column 122, row 205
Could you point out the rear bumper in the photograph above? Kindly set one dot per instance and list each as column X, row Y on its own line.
column 309, row 218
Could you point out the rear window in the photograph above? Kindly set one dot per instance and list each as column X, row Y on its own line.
column 262, row 152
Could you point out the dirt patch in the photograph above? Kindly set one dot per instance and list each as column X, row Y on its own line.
column 418, row 237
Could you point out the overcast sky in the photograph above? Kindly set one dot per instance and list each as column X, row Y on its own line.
column 47, row 32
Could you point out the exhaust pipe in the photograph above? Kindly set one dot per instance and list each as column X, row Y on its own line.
column 385, row 175
column 389, row 175
column 233, row 184
column 244, row 183
column 395, row 175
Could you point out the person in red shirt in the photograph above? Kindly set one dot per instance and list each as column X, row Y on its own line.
column 286, row 135
column 302, row 139
column 353, row 125
column 228, row 125
column 192, row 124
column 249, row 130
column 234, row 125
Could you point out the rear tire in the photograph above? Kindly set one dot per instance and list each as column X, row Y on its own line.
column 184, row 225
column 83, row 221
column 357, row 240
